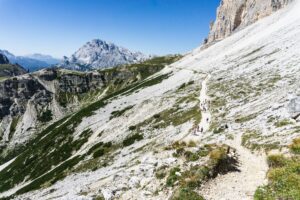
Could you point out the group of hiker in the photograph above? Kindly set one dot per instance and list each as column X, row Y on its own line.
column 204, row 108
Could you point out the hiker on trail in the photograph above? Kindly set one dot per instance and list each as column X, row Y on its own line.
column 201, row 130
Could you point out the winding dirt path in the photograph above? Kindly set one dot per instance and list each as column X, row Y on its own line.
column 204, row 107
column 238, row 185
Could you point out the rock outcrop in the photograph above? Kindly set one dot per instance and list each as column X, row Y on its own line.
column 99, row 54
column 9, row 70
column 3, row 59
column 233, row 15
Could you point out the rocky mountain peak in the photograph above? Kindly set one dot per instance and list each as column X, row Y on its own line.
column 97, row 54
column 237, row 14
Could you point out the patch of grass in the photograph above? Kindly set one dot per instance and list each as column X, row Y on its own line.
column 250, row 140
column 119, row 113
column 284, row 179
column 247, row 137
column 220, row 162
column 13, row 126
column 161, row 172
column 183, row 193
column 246, row 118
column 100, row 149
column 190, row 156
column 277, row 160
column 132, row 139
column 284, row 182
column 192, row 143
column 45, row 116
column 295, row 146
column 282, row 123
column 176, row 117
column 190, row 180
column 98, row 153
column 172, row 178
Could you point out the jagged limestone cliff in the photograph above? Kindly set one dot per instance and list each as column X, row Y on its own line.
column 237, row 14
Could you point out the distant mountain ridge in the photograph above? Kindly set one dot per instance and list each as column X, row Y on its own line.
column 32, row 62
column 99, row 54
column 45, row 58
column 9, row 70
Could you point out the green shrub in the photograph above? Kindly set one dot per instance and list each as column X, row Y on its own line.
column 183, row 193
column 192, row 144
column 119, row 113
column 282, row 123
column 295, row 146
column 156, row 116
column 191, row 156
column 161, row 172
column 172, row 178
column 132, row 128
column 13, row 126
column 99, row 153
column 276, row 161
column 132, row 139
column 284, row 181
column 45, row 116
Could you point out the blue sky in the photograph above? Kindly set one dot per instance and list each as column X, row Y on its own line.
column 60, row 27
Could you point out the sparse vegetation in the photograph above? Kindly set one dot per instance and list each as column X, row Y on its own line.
column 245, row 118
column 251, row 139
column 13, row 125
column 132, row 139
column 276, row 160
column 45, row 116
column 282, row 123
column 119, row 113
column 161, row 172
column 45, row 151
column 188, row 181
column 295, row 146
column 173, row 177
column 183, row 193
column 284, row 178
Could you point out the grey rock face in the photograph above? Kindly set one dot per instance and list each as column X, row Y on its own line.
column 98, row 54
column 15, row 93
column 3, row 59
column 56, row 90
column 237, row 14
column 9, row 70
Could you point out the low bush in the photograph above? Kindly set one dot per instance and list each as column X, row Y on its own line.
column 190, row 156
column 277, row 160
column 183, row 193
column 161, row 172
column 132, row 139
column 99, row 153
column 282, row 123
column 45, row 116
column 295, row 146
column 283, row 177
column 172, row 178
